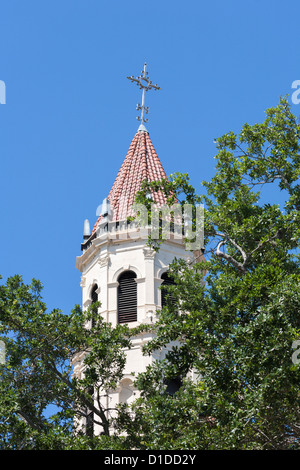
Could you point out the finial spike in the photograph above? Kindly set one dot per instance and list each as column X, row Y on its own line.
column 86, row 229
column 144, row 84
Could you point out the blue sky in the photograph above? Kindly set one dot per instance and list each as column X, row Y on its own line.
column 70, row 112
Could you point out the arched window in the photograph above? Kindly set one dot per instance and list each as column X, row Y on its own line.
column 94, row 294
column 89, row 423
column 127, row 297
column 94, row 298
column 167, row 281
column 173, row 385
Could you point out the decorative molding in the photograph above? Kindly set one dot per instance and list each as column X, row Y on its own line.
column 149, row 253
column 125, row 268
column 112, row 284
column 82, row 281
column 95, row 282
column 158, row 280
column 104, row 261
column 150, row 317
column 161, row 271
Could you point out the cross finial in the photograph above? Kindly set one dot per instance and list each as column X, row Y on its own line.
column 145, row 84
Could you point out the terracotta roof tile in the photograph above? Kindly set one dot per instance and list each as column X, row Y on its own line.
column 140, row 163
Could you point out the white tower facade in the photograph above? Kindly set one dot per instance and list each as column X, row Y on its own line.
column 118, row 268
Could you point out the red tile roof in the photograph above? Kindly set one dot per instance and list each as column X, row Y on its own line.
column 141, row 162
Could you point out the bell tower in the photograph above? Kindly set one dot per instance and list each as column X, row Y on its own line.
column 118, row 268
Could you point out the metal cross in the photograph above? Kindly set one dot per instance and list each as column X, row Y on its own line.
column 145, row 84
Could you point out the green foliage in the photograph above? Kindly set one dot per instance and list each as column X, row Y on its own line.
column 229, row 327
column 235, row 330
column 37, row 376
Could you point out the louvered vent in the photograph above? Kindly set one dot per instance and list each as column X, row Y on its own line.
column 167, row 281
column 127, row 297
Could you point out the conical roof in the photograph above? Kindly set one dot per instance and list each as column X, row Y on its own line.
column 141, row 163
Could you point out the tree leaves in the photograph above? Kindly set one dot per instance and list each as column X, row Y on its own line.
column 235, row 332
column 227, row 334
column 38, row 372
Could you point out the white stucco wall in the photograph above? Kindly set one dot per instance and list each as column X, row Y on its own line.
column 105, row 259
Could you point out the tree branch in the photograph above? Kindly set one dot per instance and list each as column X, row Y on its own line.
column 230, row 259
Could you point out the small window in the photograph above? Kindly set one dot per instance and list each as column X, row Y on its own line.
column 94, row 298
column 167, row 281
column 89, row 427
column 173, row 385
column 94, row 295
column 127, row 297
column 89, row 423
